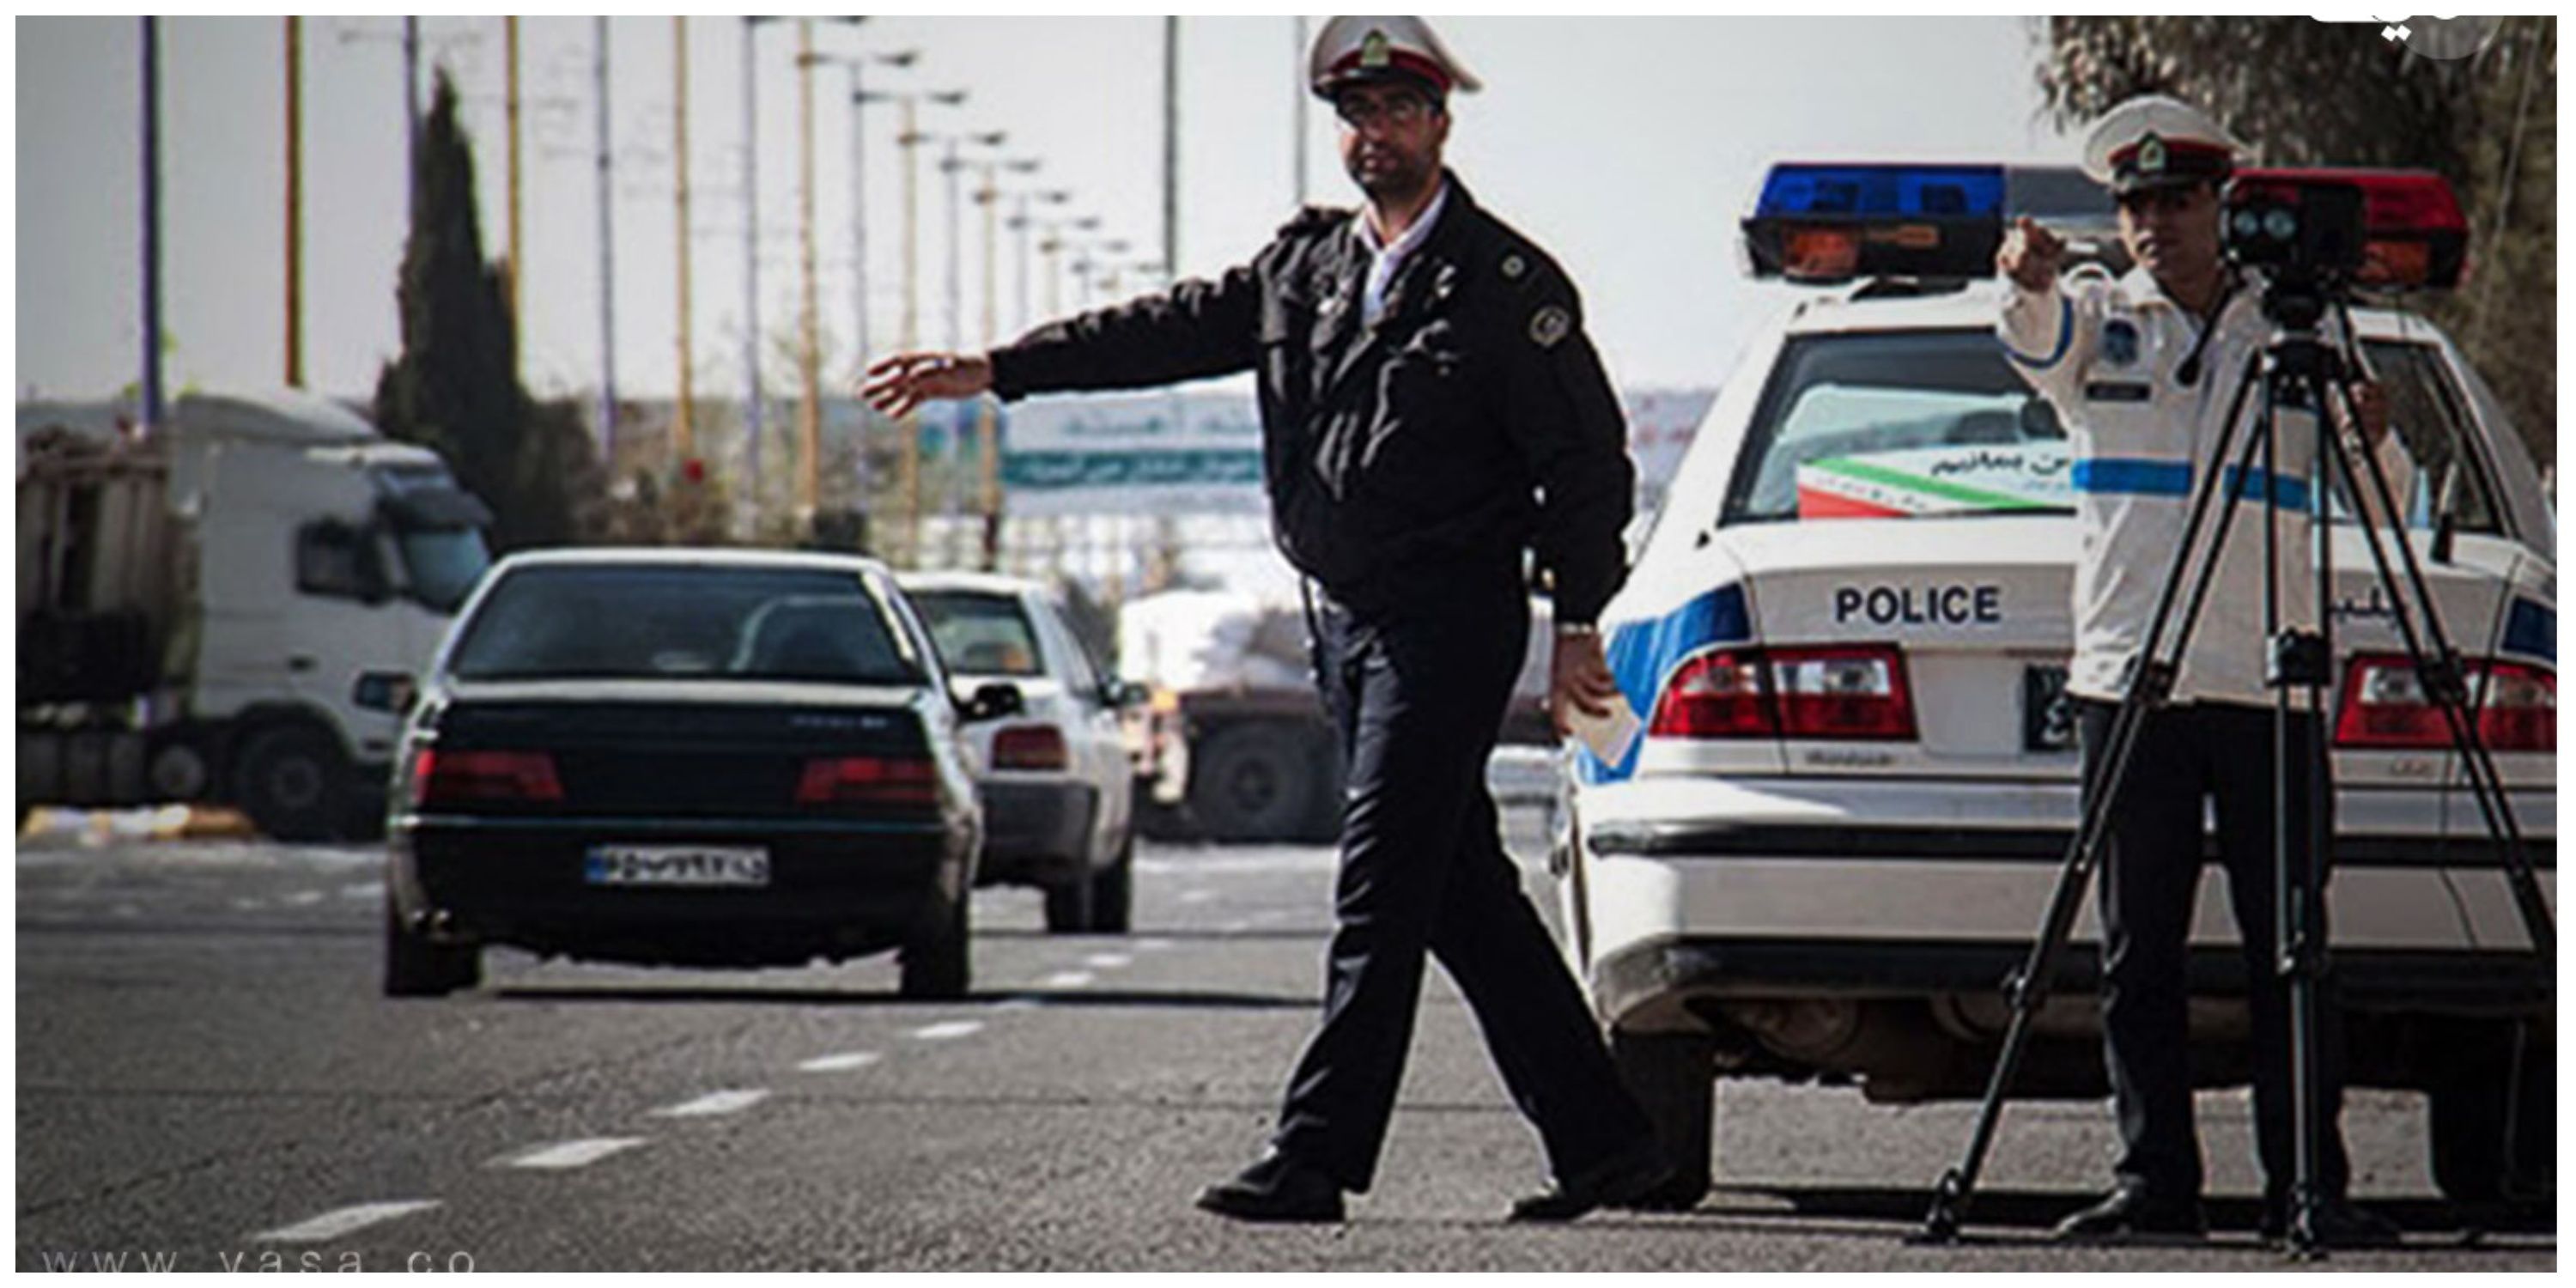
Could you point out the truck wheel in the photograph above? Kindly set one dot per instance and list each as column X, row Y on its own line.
column 1673, row 1077
column 294, row 784
column 1068, row 906
column 2491, row 1150
column 1113, row 890
column 934, row 961
column 1252, row 782
column 415, row 966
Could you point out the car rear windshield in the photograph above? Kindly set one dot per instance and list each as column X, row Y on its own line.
column 979, row 634
column 1936, row 423
column 1894, row 424
column 644, row 622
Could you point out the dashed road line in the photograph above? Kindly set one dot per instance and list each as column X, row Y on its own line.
column 840, row 1062
column 571, row 1153
column 1107, row 961
column 1197, row 896
column 1068, row 979
column 362, row 890
column 339, row 1221
column 1153, row 945
column 714, row 1103
column 302, row 899
column 1020, row 1003
column 947, row 1029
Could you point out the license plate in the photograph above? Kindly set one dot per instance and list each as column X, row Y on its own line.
column 676, row 865
column 2047, row 714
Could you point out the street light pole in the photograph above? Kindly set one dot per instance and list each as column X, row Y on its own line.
column 751, row 271
column 607, row 256
column 683, row 425
column 518, row 252
column 151, row 410
column 294, row 202
column 809, row 412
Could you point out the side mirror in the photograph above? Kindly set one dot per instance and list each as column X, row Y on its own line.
column 1125, row 693
column 993, row 701
column 389, row 691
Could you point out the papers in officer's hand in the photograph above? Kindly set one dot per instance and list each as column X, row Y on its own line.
column 1609, row 737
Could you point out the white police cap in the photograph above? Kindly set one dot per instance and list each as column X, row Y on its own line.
column 2154, row 141
column 1350, row 51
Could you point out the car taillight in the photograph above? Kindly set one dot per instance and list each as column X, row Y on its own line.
column 2385, row 707
column 1854, row 692
column 448, row 777
column 1843, row 692
column 874, row 780
column 1030, row 747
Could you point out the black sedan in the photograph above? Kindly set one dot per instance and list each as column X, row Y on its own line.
column 683, row 757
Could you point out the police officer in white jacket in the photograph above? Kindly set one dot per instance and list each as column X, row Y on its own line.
column 2142, row 370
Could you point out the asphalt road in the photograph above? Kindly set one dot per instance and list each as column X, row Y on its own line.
column 206, row 1073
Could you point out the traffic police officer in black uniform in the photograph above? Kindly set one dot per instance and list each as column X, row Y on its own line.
column 1430, row 409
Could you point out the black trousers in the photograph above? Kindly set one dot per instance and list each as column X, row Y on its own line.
column 1416, row 691
column 2150, row 873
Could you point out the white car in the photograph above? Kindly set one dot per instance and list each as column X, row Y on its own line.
column 1855, row 786
column 1055, row 779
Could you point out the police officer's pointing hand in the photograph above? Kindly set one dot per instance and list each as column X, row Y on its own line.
column 2030, row 255
column 1578, row 679
column 900, row 383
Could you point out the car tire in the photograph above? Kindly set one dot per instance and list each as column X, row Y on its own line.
column 2491, row 1151
column 1069, row 905
column 934, row 962
column 294, row 784
column 1113, row 890
column 1673, row 1078
column 417, row 966
column 1253, row 782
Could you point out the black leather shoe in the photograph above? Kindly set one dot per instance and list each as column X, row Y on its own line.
column 2130, row 1214
column 1277, row 1188
column 1624, row 1177
column 2337, row 1224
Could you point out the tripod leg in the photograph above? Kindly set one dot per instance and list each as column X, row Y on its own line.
column 2438, row 670
column 2151, row 682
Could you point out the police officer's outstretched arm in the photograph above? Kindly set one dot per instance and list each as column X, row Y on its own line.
column 1565, row 420
column 2043, row 326
column 1196, row 329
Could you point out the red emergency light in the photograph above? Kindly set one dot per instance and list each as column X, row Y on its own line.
column 2414, row 236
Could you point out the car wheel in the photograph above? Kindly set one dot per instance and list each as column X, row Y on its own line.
column 1068, row 905
column 2491, row 1150
column 417, row 966
column 934, row 961
column 294, row 784
column 1673, row 1077
column 1113, row 890
column 1253, row 782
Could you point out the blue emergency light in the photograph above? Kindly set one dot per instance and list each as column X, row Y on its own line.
column 1824, row 223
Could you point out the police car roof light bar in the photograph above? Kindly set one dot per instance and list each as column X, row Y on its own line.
column 1827, row 223
column 2414, row 235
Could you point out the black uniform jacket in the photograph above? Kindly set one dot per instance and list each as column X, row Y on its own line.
column 1472, row 421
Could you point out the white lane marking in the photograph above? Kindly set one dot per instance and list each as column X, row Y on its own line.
column 1197, row 896
column 340, row 1221
column 302, row 899
column 947, row 1029
column 714, row 1103
column 1317, row 859
column 842, row 1062
column 1107, row 961
column 249, row 905
column 572, row 1153
column 1153, row 945
column 362, row 890
column 1067, row 979
column 1017, row 1004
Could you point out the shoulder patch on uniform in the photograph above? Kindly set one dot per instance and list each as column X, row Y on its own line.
column 1313, row 219
column 1549, row 325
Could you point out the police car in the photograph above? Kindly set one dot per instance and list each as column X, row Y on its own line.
column 1846, row 636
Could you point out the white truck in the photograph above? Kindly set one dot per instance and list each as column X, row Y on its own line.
column 195, row 606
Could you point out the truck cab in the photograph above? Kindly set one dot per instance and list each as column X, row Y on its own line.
column 196, row 605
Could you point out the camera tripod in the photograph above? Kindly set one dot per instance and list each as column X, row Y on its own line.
column 2298, row 369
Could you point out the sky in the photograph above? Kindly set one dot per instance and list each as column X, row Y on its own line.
column 1627, row 147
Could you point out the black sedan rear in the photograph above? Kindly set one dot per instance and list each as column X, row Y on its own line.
column 699, row 758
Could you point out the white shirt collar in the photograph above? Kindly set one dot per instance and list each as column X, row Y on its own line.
column 1384, row 260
